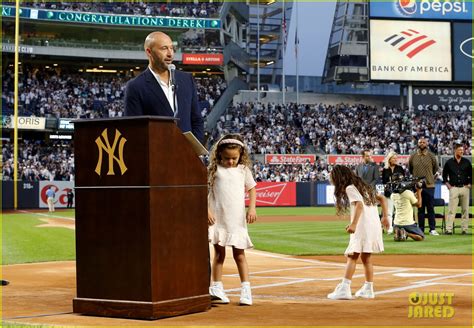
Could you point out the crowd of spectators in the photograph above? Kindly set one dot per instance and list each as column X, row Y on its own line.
column 201, row 9
column 47, row 94
column 267, row 129
column 209, row 90
column 38, row 160
column 343, row 129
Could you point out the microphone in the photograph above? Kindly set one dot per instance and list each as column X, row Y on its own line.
column 172, row 69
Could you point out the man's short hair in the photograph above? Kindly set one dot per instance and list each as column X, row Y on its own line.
column 457, row 145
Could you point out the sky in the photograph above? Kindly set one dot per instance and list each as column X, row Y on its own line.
column 314, row 28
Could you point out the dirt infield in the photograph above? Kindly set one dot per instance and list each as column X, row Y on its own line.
column 287, row 291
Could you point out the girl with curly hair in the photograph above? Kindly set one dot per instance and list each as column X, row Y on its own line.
column 229, row 178
column 365, row 229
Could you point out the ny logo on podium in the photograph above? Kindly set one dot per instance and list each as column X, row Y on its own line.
column 110, row 150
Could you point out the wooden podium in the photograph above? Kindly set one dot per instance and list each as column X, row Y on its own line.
column 141, row 220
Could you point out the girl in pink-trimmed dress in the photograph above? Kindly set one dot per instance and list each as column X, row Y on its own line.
column 229, row 179
column 365, row 228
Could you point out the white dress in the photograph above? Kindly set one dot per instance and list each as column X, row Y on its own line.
column 368, row 234
column 227, row 203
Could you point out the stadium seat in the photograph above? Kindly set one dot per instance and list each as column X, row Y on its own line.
column 438, row 202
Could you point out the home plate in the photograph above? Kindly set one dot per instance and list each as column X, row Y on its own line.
column 407, row 275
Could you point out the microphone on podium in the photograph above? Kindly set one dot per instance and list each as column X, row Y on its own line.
column 174, row 87
column 172, row 69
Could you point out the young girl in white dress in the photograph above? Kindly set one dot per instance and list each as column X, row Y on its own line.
column 229, row 178
column 365, row 228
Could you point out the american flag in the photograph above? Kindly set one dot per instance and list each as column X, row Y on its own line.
column 285, row 33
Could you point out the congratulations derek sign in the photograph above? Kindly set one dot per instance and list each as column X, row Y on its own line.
column 112, row 19
column 410, row 50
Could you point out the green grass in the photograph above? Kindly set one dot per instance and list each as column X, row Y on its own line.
column 330, row 238
column 290, row 211
column 23, row 242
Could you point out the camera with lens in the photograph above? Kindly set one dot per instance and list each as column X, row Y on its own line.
column 399, row 184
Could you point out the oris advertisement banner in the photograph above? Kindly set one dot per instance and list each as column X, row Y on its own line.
column 410, row 50
column 275, row 194
column 25, row 122
column 442, row 99
column 462, row 52
column 60, row 188
column 422, row 9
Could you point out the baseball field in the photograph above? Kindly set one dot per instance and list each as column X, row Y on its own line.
column 296, row 262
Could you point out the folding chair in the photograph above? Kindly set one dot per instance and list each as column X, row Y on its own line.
column 438, row 202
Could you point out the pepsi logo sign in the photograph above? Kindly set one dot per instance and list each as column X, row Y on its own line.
column 407, row 7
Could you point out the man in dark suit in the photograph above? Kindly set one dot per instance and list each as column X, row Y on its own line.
column 368, row 171
column 154, row 93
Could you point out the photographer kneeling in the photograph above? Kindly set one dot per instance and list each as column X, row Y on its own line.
column 404, row 223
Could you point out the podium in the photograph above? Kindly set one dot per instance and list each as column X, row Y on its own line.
column 141, row 220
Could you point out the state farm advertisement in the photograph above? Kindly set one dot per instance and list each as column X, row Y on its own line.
column 410, row 50
column 357, row 159
column 275, row 194
column 60, row 189
column 289, row 159
column 203, row 59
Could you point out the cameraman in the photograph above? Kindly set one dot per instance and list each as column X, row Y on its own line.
column 404, row 223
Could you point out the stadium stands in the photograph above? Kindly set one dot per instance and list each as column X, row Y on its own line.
column 39, row 160
column 342, row 129
column 45, row 93
column 270, row 129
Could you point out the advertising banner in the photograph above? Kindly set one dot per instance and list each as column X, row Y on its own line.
column 65, row 16
column 357, row 159
column 25, row 122
column 289, row 159
column 410, row 50
column 462, row 52
column 275, row 194
column 65, row 124
column 422, row 9
column 60, row 188
column 203, row 59
column 442, row 99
